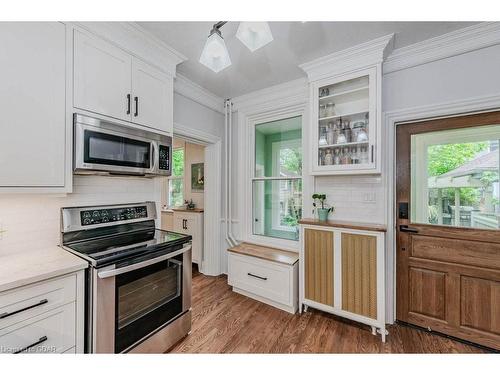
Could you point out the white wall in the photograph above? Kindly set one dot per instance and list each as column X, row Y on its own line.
column 193, row 154
column 468, row 75
column 196, row 116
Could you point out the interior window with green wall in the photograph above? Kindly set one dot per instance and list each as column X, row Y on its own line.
column 277, row 181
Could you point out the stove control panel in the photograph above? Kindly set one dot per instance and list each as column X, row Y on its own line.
column 100, row 216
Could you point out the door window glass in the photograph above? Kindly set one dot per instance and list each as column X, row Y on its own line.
column 455, row 177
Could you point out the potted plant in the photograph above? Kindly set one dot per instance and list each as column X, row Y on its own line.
column 322, row 211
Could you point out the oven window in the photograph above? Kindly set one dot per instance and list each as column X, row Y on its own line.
column 102, row 148
column 139, row 297
column 146, row 299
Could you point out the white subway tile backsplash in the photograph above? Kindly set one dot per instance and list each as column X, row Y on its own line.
column 355, row 198
column 33, row 220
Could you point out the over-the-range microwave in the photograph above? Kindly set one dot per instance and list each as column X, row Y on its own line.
column 103, row 147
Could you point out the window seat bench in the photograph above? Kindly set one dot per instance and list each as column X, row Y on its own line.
column 266, row 274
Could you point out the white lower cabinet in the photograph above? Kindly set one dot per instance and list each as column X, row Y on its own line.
column 269, row 281
column 191, row 223
column 51, row 332
column 46, row 317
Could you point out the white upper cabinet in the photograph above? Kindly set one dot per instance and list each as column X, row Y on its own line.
column 111, row 82
column 345, row 123
column 101, row 77
column 33, row 69
column 152, row 97
column 345, row 129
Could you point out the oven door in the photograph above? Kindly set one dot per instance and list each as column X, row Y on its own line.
column 98, row 149
column 134, row 300
column 145, row 300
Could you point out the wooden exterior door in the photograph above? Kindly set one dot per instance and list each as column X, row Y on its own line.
column 448, row 245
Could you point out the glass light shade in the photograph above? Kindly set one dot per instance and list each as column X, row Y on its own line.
column 254, row 34
column 215, row 55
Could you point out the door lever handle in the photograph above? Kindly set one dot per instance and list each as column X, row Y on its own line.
column 406, row 228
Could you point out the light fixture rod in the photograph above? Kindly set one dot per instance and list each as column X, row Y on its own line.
column 217, row 26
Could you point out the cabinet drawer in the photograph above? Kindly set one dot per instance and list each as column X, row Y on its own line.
column 51, row 332
column 261, row 277
column 23, row 303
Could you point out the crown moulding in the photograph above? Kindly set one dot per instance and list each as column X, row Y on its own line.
column 481, row 35
column 352, row 58
column 137, row 41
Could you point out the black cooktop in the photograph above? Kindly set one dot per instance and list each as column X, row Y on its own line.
column 107, row 248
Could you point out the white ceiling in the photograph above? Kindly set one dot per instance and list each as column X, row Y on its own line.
column 294, row 43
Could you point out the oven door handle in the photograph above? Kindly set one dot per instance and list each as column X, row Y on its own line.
column 132, row 267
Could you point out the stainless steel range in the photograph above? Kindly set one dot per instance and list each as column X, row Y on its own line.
column 139, row 280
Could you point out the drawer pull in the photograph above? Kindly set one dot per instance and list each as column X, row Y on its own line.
column 6, row 314
column 40, row 340
column 257, row 277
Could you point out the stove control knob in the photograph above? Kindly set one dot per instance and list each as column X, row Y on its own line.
column 86, row 214
column 86, row 221
column 96, row 214
column 105, row 219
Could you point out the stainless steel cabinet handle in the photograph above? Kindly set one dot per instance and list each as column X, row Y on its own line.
column 372, row 153
column 136, row 100
column 6, row 314
column 257, row 277
column 132, row 267
column 40, row 340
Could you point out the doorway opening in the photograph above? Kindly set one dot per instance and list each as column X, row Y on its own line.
column 191, row 197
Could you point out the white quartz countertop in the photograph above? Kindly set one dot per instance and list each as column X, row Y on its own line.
column 30, row 266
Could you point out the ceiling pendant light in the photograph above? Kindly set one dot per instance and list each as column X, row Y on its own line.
column 215, row 55
column 254, row 34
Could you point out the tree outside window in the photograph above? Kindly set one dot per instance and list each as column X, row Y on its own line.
column 176, row 181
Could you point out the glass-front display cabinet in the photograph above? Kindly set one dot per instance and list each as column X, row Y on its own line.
column 344, row 124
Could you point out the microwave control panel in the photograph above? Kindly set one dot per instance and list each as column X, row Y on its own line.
column 164, row 162
column 91, row 217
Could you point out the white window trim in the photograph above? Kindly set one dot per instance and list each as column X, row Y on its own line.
column 247, row 125
column 275, row 148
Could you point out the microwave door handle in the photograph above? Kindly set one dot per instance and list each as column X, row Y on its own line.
column 155, row 156
column 132, row 267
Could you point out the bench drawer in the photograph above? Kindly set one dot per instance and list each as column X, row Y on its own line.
column 50, row 332
column 20, row 304
column 263, row 278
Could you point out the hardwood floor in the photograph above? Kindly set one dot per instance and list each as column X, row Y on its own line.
column 227, row 322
